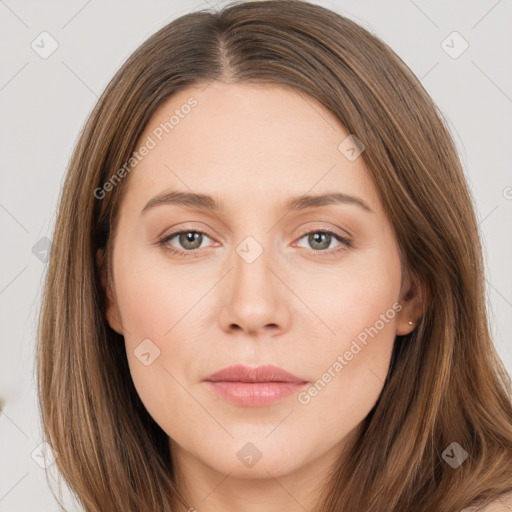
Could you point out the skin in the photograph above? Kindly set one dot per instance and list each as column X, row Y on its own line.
column 253, row 147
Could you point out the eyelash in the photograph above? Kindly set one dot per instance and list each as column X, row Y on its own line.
column 346, row 243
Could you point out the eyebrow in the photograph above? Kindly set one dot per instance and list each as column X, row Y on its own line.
column 208, row 203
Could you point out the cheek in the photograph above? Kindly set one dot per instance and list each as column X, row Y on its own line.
column 350, row 370
column 351, row 363
column 358, row 299
column 159, row 311
column 153, row 294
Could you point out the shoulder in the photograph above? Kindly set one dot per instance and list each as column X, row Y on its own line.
column 501, row 504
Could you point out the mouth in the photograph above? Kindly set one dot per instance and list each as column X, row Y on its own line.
column 253, row 387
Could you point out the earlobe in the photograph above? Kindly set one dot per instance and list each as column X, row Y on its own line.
column 112, row 311
column 413, row 306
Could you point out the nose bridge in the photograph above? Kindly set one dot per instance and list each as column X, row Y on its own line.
column 251, row 259
column 255, row 295
column 251, row 264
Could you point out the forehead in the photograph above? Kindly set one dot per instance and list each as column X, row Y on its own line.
column 248, row 139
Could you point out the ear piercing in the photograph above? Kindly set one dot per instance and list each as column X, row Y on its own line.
column 411, row 323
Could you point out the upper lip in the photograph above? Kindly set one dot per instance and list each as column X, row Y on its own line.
column 241, row 373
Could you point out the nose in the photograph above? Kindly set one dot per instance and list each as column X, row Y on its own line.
column 254, row 298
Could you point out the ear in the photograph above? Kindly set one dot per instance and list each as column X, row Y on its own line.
column 413, row 300
column 112, row 312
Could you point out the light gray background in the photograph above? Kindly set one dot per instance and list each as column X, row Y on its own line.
column 44, row 103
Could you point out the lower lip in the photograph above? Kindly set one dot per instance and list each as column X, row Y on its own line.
column 254, row 394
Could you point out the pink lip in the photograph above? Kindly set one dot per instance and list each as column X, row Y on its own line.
column 254, row 386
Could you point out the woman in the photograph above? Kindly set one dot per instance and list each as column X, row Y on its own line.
column 266, row 287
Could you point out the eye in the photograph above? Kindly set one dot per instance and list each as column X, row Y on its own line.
column 190, row 240
column 320, row 241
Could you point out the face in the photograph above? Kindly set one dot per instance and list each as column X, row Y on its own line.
column 314, row 289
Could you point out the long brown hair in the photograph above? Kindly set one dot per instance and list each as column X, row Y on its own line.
column 446, row 383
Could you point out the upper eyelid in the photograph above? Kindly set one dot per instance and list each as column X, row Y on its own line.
column 313, row 229
column 302, row 231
